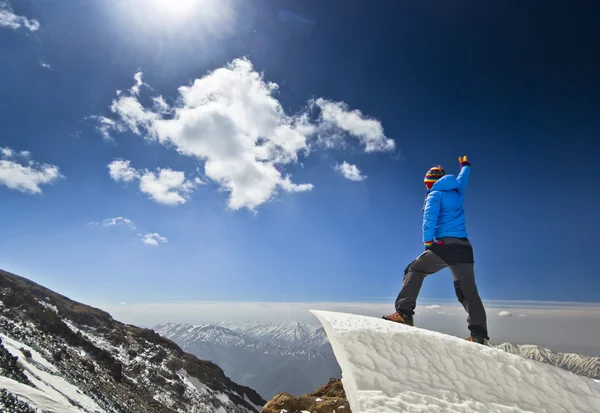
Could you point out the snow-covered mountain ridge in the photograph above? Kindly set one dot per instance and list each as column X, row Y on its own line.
column 581, row 365
column 271, row 358
column 63, row 356
column 236, row 336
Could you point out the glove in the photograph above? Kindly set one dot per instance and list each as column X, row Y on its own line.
column 463, row 161
column 429, row 244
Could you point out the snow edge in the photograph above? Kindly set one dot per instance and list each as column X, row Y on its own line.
column 348, row 380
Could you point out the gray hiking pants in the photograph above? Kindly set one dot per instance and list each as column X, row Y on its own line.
column 464, row 284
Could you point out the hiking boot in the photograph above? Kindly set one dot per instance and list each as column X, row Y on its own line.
column 400, row 318
column 478, row 340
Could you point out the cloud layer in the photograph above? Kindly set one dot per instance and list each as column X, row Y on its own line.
column 231, row 121
column 19, row 172
column 166, row 186
column 578, row 322
column 10, row 20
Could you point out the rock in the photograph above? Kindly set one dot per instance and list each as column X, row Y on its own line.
column 330, row 398
column 26, row 353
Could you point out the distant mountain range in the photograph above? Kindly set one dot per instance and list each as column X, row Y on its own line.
column 575, row 363
column 297, row 358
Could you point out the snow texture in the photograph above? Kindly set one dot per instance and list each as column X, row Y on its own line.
column 35, row 397
column 389, row 367
column 51, row 387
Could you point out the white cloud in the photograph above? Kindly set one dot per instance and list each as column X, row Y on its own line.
column 7, row 152
column 350, row 172
column 522, row 315
column 153, row 239
column 166, row 187
column 106, row 125
column 160, row 104
column 120, row 170
column 505, row 314
column 231, row 121
column 150, row 238
column 25, row 178
column 45, row 65
column 337, row 115
column 111, row 222
column 12, row 21
column 135, row 89
column 433, row 307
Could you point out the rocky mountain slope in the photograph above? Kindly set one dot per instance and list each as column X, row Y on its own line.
column 60, row 355
column 271, row 358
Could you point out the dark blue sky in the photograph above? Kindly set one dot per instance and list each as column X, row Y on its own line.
column 514, row 86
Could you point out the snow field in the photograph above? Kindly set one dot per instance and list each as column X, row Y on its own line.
column 389, row 367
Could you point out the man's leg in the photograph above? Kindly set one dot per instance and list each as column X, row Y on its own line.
column 467, row 294
column 425, row 264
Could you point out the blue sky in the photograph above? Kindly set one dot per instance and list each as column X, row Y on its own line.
column 247, row 192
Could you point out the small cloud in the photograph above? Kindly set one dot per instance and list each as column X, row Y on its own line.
column 105, row 126
column 350, row 172
column 45, row 66
column 160, row 105
column 10, row 20
column 441, row 312
column 7, row 152
column 166, row 186
column 505, row 314
column 111, row 222
column 153, row 239
column 119, row 170
column 122, row 303
column 135, row 89
column 433, row 307
column 369, row 132
column 28, row 176
column 522, row 315
column 450, row 313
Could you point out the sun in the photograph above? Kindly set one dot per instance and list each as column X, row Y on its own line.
column 150, row 18
column 174, row 8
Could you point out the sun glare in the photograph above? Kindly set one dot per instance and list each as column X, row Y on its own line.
column 154, row 17
column 174, row 8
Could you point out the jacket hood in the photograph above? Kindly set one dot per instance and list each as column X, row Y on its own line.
column 445, row 183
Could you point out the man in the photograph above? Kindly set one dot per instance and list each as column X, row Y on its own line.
column 446, row 245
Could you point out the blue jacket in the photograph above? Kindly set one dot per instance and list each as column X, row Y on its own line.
column 443, row 215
